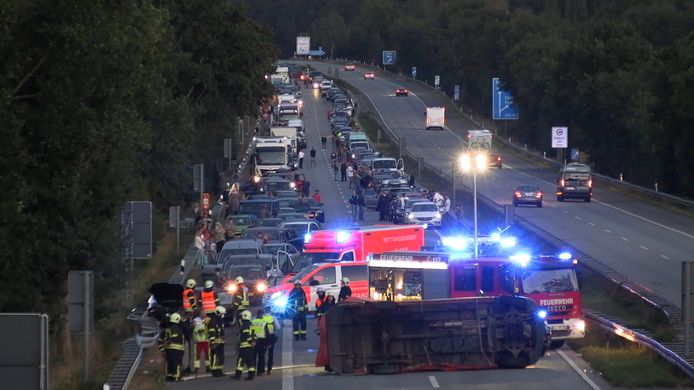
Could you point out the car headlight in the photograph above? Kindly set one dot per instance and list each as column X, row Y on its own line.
column 231, row 288
column 581, row 326
column 438, row 215
column 260, row 287
column 410, row 216
column 293, row 185
column 256, row 178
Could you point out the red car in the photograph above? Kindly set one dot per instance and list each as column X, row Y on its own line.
column 369, row 75
column 401, row 92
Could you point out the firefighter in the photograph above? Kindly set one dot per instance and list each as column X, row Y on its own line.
column 270, row 338
column 200, row 336
column 244, row 358
column 320, row 301
column 190, row 303
column 240, row 297
column 259, row 329
column 297, row 303
column 345, row 290
column 171, row 344
column 209, row 298
column 216, row 340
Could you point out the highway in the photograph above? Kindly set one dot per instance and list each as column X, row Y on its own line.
column 644, row 242
column 294, row 361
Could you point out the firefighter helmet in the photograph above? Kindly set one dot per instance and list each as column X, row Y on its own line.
column 239, row 279
column 175, row 318
column 209, row 284
column 297, row 282
column 345, row 280
column 190, row 283
column 246, row 315
column 221, row 311
column 320, row 290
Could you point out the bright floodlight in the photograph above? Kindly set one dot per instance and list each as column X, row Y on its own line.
column 496, row 236
column 342, row 236
column 565, row 256
column 481, row 161
column 522, row 259
column 454, row 242
column 307, row 238
column 465, row 163
column 507, row 242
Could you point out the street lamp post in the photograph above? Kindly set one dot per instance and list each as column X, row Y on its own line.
column 474, row 163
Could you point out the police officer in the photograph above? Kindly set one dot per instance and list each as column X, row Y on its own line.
column 209, row 298
column 270, row 338
column 190, row 303
column 171, row 343
column 215, row 335
column 259, row 329
column 297, row 303
column 240, row 297
column 345, row 290
column 244, row 358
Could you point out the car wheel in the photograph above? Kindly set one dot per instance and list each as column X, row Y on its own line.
column 560, row 198
column 586, row 199
column 539, row 205
column 515, row 204
column 499, row 166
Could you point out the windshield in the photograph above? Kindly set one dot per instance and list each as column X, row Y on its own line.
column 271, row 155
column 253, row 207
column 303, row 273
column 248, row 273
column 236, row 251
column 308, row 259
column 272, row 234
column 278, row 186
column 384, row 164
column 243, row 221
column 424, row 207
column 410, row 202
column 549, row 281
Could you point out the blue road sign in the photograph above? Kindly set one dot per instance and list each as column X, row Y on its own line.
column 414, row 72
column 456, row 92
column 317, row 53
column 502, row 103
column 574, row 154
column 389, row 57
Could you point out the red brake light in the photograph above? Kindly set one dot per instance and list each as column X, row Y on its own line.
column 538, row 194
column 590, row 183
column 518, row 194
column 561, row 183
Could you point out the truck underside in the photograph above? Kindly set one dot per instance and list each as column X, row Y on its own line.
column 463, row 333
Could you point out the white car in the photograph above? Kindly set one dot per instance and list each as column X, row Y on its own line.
column 325, row 84
column 424, row 213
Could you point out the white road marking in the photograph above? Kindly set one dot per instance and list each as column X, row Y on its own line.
column 287, row 352
column 607, row 230
column 591, row 224
column 433, row 381
column 578, row 370
column 625, row 239
column 665, row 257
column 577, row 217
column 643, row 247
column 564, row 211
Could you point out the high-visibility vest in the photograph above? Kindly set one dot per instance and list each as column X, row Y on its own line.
column 201, row 330
column 270, row 322
column 319, row 303
column 187, row 305
column 258, row 328
column 208, row 301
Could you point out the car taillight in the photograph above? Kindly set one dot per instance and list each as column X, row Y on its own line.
column 498, row 158
column 538, row 195
column 590, row 183
column 518, row 194
column 561, row 183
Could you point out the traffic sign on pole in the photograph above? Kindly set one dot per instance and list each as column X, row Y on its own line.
column 414, row 72
column 456, row 92
column 560, row 137
column 502, row 103
column 389, row 57
column 437, row 81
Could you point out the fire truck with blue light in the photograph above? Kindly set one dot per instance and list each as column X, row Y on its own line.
column 552, row 281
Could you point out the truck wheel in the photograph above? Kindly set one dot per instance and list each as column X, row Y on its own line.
column 556, row 344
column 384, row 369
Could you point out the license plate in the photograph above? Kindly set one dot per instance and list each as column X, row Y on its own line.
column 570, row 188
column 529, row 194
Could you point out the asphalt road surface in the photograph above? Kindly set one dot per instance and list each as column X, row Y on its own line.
column 295, row 361
column 642, row 241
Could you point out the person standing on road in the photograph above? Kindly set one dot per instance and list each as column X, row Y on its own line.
column 201, row 337
column 316, row 197
column 271, row 338
column 209, row 298
column 350, row 174
column 215, row 336
column 171, row 344
column 354, row 202
column 382, row 206
column 305, row 190
column 446, row 205
column 240, row 302
column 259, row 329
column 190, row 302
column 343, row 171
column 323, row 141
column 244, row 359
column 297, row 304
column 313, row 156
column 345, row 290
column 335, row 168
column 301, row 159
column 360, row 205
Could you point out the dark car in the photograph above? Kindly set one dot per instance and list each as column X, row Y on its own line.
column 401, row 91
column 261, row 207
column 274, row 184
column 495, row 160
column 311, row 209
column 274, row 234
column 527, row 195
column 167, row 299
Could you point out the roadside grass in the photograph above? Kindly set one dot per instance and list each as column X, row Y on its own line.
column 624, row 364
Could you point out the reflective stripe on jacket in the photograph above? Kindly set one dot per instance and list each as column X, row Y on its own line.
column 189, row 303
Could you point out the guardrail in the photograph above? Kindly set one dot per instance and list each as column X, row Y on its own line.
column 651, row 193
column 614, row 276
column 643, row 340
